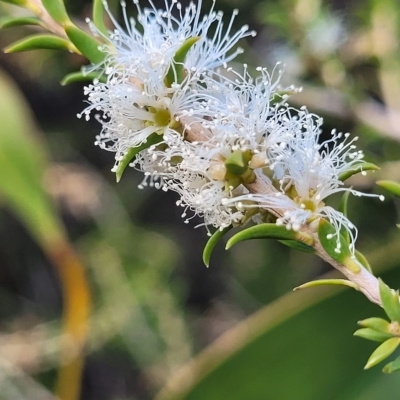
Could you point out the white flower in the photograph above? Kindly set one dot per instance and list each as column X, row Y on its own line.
column 305, row 174
column 197, row 173
column 136, row 101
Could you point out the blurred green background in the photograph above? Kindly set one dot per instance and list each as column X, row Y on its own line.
column 162, row 325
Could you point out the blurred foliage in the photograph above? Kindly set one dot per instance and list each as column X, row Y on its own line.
column 155, row 305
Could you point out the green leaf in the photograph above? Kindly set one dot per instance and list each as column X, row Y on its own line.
column 294, row 244
column 98, row 16
column 357, row 169
column 393, row 366
column 379, row 324
column 383, row 351
column 9, row 22
column 57, row 11
column 363, row 261
column 85, row 43
column 154, row 138
column 35, row 42
column 258, row 359
column 269, row 231
column 21, row 3
column 22, row 166
column 390, row 301
column 343, row 209
column 324, row 282
column 176, row 72
column 211, row 243
column 372, row 334
column 328, row 237
column 81, row 77
column 392, row 187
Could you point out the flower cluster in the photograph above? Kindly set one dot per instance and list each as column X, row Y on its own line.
column 171, row 107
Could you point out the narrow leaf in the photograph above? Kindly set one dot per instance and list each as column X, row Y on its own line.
column 85, row 43
column 390, row 301
column 35, row 42
column 9, row 22
column 383, row 351
column 294, row 244
column 269, row 231
column 378, row 324
column 343, row 209
column 98, row 16
column 80, row 77
column 57, row 11
column 154, row 138
column 363, row 261
column 323, row 282
column 372, row 334
column 393, row 366
column 176, row 72
column 357, row 169
column 328, row 238
column 214, row 239
column 21, row 3
column 392, row 187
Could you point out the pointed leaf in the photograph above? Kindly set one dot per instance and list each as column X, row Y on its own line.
column 154, row 138
column 57, row 11
column 378, row 324
column 214, row 239
column 390, row 301
column 269, row 231
column 372, row 334
column 357, row 169
column 363, row 261
column 9, row 22
column 393, row 366
column 343, row 209
column 35, row 42
column 98, row 16
column 323, row 282
column 21, row 3
column 328, row 238
column 85, row 43
column 176, row 72
column 80, row 77
column 294, row 244
column 392, row 187
column 383, row 351
column 22, row 166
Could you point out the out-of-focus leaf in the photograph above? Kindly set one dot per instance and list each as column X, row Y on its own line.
column 212, row 242
column 372, row 334
column 57, row 11
column 21, row 3
column 393, row 366
column 390, row 300
column 259, row 360
column 383, row 351
column 22, row 164
column 9, row 22
column 98, row 16
column 35, row 42
column 392, row 187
